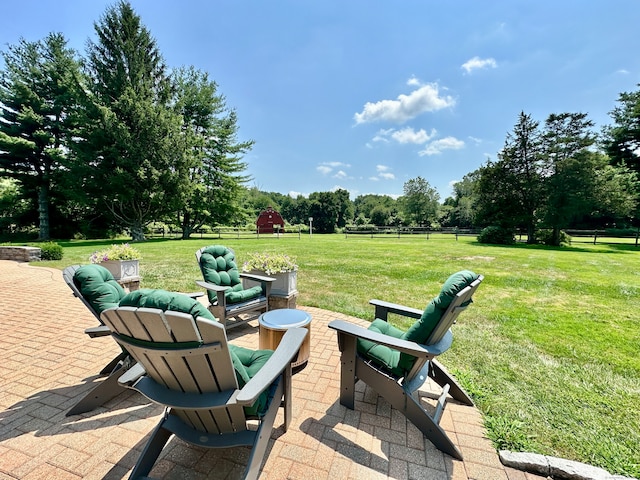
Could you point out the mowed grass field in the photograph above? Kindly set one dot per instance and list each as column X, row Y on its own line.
column 550, row 349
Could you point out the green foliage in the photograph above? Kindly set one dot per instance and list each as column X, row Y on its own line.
column 622, row 139
column 117, row 251
column 545, row 236
column 212, row 193
column 50, row 251
column 37, row 95
column 497, row 236
column 127, row 131
column 269, row 262
column 420, row 202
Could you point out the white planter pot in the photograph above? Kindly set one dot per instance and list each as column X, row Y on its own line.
column 285, row 283
column 122, row 268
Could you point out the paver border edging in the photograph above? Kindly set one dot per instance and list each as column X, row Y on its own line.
column 554, row 467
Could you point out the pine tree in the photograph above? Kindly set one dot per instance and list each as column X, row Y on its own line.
column 126, row 151
column 37, row 93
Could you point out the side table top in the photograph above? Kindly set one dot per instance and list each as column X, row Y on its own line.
column 284, row 318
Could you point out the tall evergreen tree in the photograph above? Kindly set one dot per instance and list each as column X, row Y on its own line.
column 212, row 155
column 622, row 139
column 127, row 148
column 37, row 93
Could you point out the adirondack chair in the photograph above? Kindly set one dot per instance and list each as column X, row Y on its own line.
column 95, row 286
column 102, row 292
column 209, row 387
column 223, row 282
column 396, row 363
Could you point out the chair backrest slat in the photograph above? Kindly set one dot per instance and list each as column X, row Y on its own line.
column 187, row 367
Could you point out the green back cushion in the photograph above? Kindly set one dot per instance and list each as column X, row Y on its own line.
column 419, row 332
column 246, row 362
column 98, row 287
column 218, row 266
column 400, row 363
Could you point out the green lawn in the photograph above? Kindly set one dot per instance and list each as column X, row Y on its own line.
column 549, row 350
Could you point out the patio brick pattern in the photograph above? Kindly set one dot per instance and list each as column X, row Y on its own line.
column 47, row 362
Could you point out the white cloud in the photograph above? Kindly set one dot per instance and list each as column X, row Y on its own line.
column 438, row 146
column 406, row 135
column 382, row 168
column 326, row 168
column 405, row 107
column 414, row 82
column 476, row 63
column 375, row 179
column 294, row 194
column 409, row 135
column 623, row 71
column 387, row 176
column 340, row 175
column 381, row 135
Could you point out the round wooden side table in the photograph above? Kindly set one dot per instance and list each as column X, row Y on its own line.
column 274, row 324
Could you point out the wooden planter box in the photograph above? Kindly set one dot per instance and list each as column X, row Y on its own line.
column 122, row 268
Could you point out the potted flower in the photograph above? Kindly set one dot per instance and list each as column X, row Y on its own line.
column 122, row 260
column 278, row 265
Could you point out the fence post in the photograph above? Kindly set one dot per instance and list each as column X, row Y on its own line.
column 595, row 236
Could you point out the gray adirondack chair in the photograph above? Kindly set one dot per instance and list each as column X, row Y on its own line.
column 395, row 366
column 109, row 387
column 223, row 282
column 190, row 371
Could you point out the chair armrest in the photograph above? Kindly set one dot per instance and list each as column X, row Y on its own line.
column 281, row 359
column 257, row 278
column 132, row 375
column 410, row 348
column 193, row 294
column 99, row 331
column 211, row 286
column 384, row 308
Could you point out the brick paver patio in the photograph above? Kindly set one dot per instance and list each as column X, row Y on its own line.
column 47, row 362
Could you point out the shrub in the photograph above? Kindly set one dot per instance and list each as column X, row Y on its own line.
column 50, row 251
column 545, row 237
column 497, row 235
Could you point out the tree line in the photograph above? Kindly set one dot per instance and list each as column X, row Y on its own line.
column 113, row 140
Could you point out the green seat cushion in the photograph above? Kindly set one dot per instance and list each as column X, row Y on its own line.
column 98, row 287
column 246, row 362
column 381, row 354
column 218, row 266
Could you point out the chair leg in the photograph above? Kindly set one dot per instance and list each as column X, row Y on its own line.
column 287, row 393
column 442, row 378
column 103, row 392
column 111, row 366
column 347, row 370
column 159, row 438
column 263, row 435
column 402, row 401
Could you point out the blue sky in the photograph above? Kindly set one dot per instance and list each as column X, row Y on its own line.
column 365, row 95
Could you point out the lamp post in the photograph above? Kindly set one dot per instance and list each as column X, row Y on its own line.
column 310, row 226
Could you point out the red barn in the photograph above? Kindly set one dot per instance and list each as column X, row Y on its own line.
column 268, row 219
